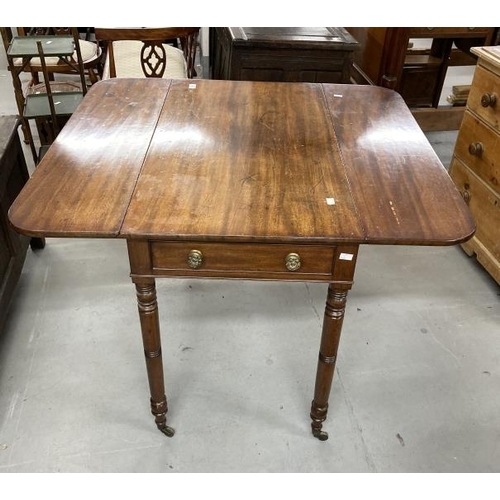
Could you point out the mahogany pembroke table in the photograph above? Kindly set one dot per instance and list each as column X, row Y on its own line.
column 242, row 180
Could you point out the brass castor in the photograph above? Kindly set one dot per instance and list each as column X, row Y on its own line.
column 321, row 435
column 168, row 431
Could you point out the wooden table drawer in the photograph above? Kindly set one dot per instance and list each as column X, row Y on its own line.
column 478, row 146
column 484, row 96
column 241, row 259
column 484, row 204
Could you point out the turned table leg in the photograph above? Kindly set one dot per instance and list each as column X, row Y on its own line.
column 330, row 337
column 150, row 326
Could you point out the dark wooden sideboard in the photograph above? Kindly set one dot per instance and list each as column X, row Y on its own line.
column 282, row 54
column 13, row 176
column 386, row 58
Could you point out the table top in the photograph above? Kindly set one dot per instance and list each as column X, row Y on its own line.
column 227, row 161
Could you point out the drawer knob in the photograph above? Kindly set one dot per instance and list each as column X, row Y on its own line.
column 466, row 196
column 476, row 148
column 195, row 259
column 292, row 261
column 488, row 100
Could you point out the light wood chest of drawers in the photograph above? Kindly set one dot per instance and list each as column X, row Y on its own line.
column 475, row 167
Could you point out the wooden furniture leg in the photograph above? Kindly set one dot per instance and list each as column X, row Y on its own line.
column 150, row 326
column 330, row 338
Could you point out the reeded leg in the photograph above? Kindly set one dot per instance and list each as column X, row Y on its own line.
column 150, row 326
column 332, row 326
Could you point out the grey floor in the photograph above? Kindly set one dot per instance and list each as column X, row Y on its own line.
column 415, row 390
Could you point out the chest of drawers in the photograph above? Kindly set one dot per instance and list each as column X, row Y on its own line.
column 475, row 167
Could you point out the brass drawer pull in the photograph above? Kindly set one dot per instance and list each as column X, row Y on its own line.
column 466, row 196
column 292, row 261
column 476, row 148
column 488, row 100
column 195, row 259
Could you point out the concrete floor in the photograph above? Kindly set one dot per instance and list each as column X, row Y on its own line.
column 415, row 389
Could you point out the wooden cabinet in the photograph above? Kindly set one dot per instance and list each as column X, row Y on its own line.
column 282, row 54
column 475, row 166
column 13, row 176
column 386, row 58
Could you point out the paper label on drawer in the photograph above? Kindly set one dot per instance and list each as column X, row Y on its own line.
column 330, row 201
column 346, row 256
column 192, row 85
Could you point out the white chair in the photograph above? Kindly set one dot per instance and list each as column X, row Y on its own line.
column 149, row 52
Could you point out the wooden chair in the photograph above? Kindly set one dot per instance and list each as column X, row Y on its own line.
column 149, row 52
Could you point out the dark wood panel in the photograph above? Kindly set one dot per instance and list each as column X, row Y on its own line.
column 13, row 176
column 450, row 32
column 385, row 58
column 282, row 54
column 445, row 118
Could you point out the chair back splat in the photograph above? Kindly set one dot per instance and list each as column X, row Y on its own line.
column 149, row 52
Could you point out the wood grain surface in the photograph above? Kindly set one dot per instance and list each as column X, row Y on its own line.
column 83, row 185
column 403, row 193
column 248, row 162
column 243, row 161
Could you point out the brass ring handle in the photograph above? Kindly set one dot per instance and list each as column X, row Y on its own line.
column 488, row 100
column 195, row 259
column 476, row 148
column 292, row 261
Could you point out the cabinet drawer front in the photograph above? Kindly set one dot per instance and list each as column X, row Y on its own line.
column 241, row 258
column 478, row 146
column 445, row 32
column 484, row 96
column 483, row 203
